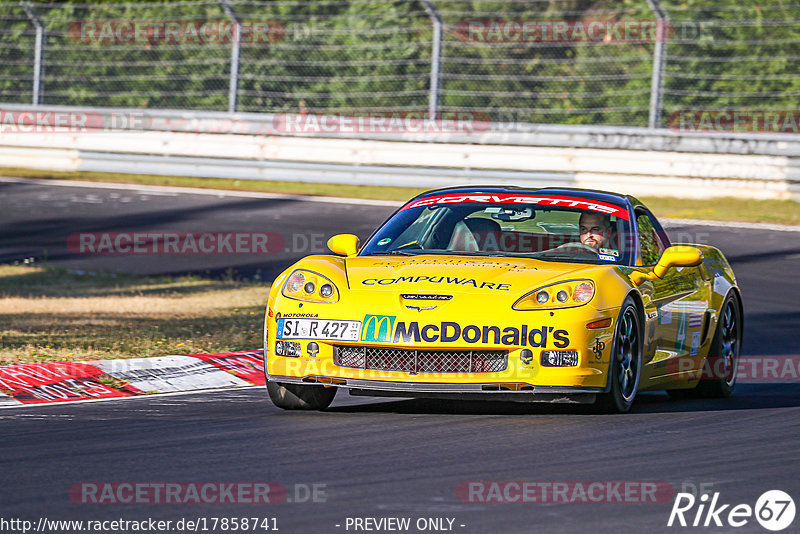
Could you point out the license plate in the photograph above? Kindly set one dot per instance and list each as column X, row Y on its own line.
column 318, row 329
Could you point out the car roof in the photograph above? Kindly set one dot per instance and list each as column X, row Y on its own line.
column 591, row 194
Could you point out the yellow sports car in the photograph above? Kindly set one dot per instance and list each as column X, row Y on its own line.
column 505, row 293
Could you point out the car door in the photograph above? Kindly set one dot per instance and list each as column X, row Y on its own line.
column 676, row 309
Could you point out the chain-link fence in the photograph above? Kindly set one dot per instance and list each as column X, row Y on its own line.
column 630, row 62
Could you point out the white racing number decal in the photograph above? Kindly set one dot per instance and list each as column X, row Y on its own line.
column 318, row 329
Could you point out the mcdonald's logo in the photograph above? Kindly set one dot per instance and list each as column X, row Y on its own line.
column 378, row 328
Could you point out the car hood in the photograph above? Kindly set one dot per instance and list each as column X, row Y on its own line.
column 453, row 274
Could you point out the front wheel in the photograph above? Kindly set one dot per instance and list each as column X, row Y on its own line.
column 299, row 396
column 625, row 365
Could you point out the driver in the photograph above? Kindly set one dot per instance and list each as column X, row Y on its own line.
column 595, row 230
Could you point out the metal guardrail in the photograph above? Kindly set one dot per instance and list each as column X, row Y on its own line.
column 379, row 175
column 410, row 164
column 503, row 133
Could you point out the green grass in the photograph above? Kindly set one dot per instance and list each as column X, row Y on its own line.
column 718, row 209
column 50, row 314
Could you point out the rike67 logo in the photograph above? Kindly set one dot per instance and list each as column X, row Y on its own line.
column 774, row 510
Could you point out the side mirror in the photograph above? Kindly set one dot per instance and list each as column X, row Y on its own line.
column 344, row 244
column 678, row 256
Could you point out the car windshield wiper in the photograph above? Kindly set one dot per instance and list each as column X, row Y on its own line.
column 391, row 253
column 499, row 254
column 568, row 259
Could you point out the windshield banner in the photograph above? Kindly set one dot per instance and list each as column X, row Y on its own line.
column 561, row 202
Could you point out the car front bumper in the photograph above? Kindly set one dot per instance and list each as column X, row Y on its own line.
column 499, row 391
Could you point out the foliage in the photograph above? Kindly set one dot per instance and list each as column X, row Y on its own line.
column 376, row 55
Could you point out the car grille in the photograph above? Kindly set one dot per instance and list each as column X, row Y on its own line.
column 420, row 361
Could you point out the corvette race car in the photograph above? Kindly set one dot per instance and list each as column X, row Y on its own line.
column 505, row 293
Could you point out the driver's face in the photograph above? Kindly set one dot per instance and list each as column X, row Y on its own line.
column 594, row 230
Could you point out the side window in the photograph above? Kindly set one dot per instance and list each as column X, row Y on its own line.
column 649, row 242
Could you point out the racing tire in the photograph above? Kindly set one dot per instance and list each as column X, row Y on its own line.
column 299, row 396
column 723, row 355
column 625, row 365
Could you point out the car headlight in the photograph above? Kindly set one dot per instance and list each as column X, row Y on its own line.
column 559, row 295
column 310, row 287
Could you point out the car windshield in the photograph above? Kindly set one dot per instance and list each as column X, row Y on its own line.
column 542, row 227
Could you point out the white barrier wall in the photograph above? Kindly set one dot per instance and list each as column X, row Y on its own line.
column 404, row 163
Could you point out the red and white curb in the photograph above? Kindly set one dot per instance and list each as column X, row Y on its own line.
column 107, row 379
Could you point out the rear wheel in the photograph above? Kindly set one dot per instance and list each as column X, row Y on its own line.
column 723, row 356
column 625, row 366
column 299, row 396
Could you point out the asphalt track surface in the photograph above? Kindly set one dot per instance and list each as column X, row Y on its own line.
column 379, row 458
